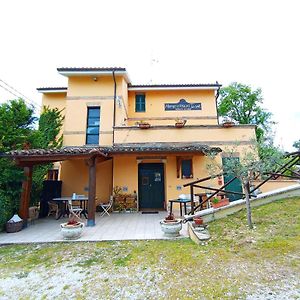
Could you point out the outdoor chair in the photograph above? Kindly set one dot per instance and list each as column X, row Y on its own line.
column 106, row 207
column 74, row 210
column 53, row 208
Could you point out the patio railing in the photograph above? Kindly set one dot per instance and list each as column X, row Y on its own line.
column 293, row 159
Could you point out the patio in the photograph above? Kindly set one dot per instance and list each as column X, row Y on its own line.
column 117, row 226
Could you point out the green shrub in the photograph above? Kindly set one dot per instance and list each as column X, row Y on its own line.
column 6, row 209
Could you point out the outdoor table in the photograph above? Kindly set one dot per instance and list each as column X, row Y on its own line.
column 180, row 201
column 63, row 207
column 202, row 198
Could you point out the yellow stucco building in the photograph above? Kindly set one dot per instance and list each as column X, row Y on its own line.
column 103, row 109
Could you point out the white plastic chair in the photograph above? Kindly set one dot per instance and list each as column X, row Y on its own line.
column 106, row 207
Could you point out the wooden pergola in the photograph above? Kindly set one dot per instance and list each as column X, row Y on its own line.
column 30, row 158
column 27, row 159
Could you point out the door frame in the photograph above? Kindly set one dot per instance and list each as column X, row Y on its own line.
column 163, row 178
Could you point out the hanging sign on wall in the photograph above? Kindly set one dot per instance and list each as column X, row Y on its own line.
column 183, row 105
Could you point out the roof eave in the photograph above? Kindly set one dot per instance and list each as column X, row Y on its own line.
column 166, row 88
column 52, row 90
column 94, row 73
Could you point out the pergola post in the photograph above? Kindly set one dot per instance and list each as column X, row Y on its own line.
column 92, row 192
column 25, row 195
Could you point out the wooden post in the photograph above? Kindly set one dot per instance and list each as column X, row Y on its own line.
column 92, row 192
column 25, row 195
column 192, row 199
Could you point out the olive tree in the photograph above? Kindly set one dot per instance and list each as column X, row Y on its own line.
column 249, row 167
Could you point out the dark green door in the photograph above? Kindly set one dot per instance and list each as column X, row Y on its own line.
column 236, row 185
column 151, row 186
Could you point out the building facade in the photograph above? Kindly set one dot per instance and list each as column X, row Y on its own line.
column 158, row 135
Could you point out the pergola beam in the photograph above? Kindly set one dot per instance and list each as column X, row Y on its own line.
column 92, row 192
column 25, row 195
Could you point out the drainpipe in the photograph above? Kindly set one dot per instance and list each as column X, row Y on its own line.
column 114, row 124
column 114, row 117
column 217, row 96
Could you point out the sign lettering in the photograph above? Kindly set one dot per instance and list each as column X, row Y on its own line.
column 182, row 105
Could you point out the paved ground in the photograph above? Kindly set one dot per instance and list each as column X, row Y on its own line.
column 118, row 226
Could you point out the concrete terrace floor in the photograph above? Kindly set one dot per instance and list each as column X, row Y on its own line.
column 117, row 226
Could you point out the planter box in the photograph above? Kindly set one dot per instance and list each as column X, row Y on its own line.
column 222, row 202
column 144, row 126
column 12, row 227
column 228, row 124
column 179, row 125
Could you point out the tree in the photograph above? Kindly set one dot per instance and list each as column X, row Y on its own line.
column 17, row 131
column 16, row 126
column 296, row 145
column 246, row 169
column 243, row 105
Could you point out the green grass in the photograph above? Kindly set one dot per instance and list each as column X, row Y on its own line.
column 235, row 262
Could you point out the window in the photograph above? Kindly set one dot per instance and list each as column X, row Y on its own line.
column 93, row 124
column 52, row 174
column 186, row 168
column 140, row 103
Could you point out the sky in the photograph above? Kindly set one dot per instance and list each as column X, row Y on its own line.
column 253, row 42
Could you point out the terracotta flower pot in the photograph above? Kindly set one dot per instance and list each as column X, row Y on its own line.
column 144, row 125
column 180, row 123
column 198, row 220
column 228, row 124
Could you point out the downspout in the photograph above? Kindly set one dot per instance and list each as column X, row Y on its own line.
column 114, row 117
column 113, row 129
column 217, row 96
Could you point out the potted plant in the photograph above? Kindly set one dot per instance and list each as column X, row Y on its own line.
column 119, row 203
column 171, row 226
column 198, row 220
column 14, row 224
column 227, row 122
column 143, row 124
column 218, row 202
column 72, row 229
column 179, row 123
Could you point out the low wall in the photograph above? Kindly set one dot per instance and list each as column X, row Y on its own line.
column 212, row 214
column 272, row 185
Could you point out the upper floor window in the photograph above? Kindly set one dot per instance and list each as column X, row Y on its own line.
column 93, row 124
column 140, row 103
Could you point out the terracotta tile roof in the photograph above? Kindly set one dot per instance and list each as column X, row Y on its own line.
column 61, row 151
column 122, row 148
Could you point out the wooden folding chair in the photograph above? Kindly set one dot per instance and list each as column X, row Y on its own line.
column 74, row 210
column 106, row 207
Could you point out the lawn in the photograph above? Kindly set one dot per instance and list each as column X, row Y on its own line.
column 237, row 263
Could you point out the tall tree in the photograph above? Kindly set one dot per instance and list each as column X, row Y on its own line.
column 16, row 127
column 244, row 105
column 17, row 131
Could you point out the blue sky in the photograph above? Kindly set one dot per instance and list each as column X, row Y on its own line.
column 252, row 42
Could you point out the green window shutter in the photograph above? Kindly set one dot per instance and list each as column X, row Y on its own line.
column 140, row 103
